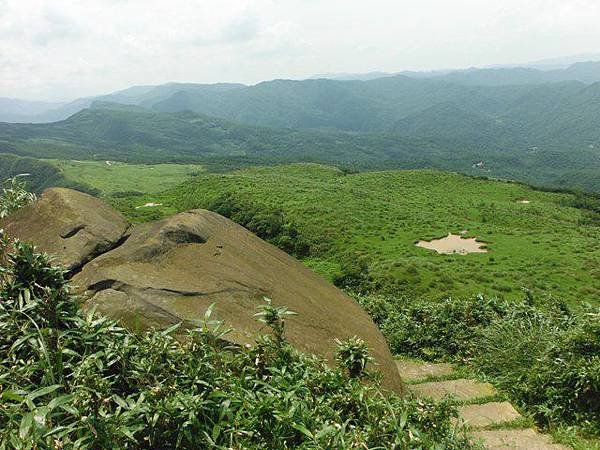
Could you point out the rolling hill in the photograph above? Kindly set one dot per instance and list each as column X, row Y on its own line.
column 377, row 218
column 39, row 175
column 130, row 133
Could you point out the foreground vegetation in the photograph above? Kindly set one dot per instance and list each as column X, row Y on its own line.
column 543, row 354
column 74, row 380
column 361, row 228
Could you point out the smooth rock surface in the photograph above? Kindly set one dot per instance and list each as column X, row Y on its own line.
column 527, row 439
column 420, row 371
column 73, row 226
column 493, row 413
column 463, row 390
column 172, row 270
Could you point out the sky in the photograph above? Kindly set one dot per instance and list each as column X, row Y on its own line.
column 62, row 49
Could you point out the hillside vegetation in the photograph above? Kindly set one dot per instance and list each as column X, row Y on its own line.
column 70, row 379
column 132, row 134
column 361, row 228
column 39, row 174
column 543, row 354
column 516, row 316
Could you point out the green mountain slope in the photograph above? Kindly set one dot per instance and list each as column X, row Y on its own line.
column 555, row 116
column 346, row 105
column 38, row 174
column 133, row 134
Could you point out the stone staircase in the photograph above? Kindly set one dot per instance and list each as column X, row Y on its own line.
column 495, row 424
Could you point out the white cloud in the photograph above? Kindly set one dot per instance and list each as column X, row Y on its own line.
column 67, row 48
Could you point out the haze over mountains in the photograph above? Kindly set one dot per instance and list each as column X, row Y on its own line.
column 538, row 126
column 548, row 71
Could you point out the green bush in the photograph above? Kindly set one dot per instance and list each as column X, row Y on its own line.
column 13, row 196
column 70, row 380
column 548, row 360
column 268, row 224
column 544, row 355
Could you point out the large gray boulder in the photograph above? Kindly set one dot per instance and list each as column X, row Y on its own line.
column 73, row 226
column 171, row 271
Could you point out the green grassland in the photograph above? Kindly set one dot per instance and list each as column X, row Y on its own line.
column 110, row 177
column 544, row 246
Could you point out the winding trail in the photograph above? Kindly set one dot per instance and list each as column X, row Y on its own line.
column 496, row 424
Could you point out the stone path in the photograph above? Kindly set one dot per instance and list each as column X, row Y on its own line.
column 491, row 423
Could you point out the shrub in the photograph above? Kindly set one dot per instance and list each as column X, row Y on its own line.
column 353, row 355
column 268, row 224
column 544, row 355
column 70, row 380
column 14, row 195
column 548, row 360
column 354, row 274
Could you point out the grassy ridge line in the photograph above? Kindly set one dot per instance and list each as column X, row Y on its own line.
column 542, row 246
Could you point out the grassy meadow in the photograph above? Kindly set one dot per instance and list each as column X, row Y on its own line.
column 110, row 177
column 543, row 246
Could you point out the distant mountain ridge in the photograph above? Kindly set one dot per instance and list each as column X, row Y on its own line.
column 548, row 70
column 207, row 98
column 136, row 95
column 540, row 132
column 555, row 144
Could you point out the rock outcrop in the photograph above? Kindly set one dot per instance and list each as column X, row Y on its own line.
column 73, row 226
column 172, row 270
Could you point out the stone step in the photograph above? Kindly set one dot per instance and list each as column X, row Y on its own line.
column 493, row 413
column 420, row 371
column 527, row 439
column 462, row 389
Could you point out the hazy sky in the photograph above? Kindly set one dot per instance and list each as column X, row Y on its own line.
column 61, row 49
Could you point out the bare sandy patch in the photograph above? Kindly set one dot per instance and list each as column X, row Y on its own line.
column 149, row 205
column 524, row 202
column 454, row 244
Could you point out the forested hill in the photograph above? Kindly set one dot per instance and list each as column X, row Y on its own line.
column 130, row 133
column 464, row 143
column 560, row 116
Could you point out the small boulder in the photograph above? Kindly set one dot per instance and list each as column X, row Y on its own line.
column 73, row 226
column 171, row 271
